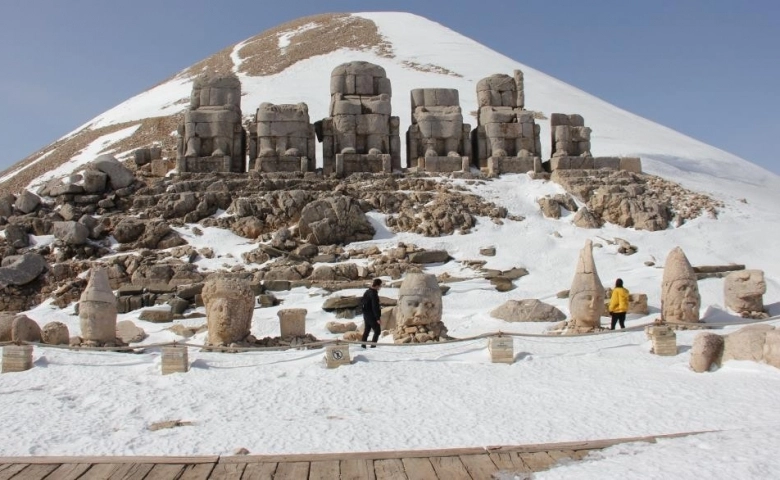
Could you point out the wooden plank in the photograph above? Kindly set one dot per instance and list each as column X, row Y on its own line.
column 101, row 471
column 69, row 471
column 259, row 471
column 200, row 471
column 292, row 471
column 419, row 469
column 228, row 470
column 580, row 454
column 12, row 470
column 561, row 455
column 357, row 469
column 93, row 460
column 479, row 466
column 35, row 472
column 163, row 471
column 132, row 471
column 450, row 468
column 503, row 461
column 537, row 461
column 389, row 469
column 324, row 470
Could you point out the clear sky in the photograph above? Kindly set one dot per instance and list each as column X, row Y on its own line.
column 707, row 68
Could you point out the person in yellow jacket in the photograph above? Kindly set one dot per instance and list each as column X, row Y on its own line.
column 618, row 304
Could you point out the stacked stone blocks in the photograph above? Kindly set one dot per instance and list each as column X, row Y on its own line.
column 282, row 139
column 17, row 358
column 438, row 140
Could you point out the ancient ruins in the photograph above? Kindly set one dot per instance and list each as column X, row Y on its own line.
column 281, row 139
column 744, row 291
column 680, row 299
column 586, row 296
column 438, row 140
column 97, row 311
column 419, row 311
column 229, row 305
column 212, row 138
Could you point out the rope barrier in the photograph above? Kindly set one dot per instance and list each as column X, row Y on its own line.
column 530, row 337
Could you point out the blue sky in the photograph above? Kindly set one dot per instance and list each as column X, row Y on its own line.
column 707, row 68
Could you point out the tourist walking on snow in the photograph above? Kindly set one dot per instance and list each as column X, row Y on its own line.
column 372, row 312
column 618, row 304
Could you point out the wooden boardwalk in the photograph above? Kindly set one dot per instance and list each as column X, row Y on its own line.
column 451, row 464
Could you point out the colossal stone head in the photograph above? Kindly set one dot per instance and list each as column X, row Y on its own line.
column 744, row 291
column 419, row 300
column 680, row 299
column 97, row 309
column 215, row 90
column 229, row 305
column 586, row 296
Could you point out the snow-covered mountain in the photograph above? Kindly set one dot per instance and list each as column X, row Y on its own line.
column 559, row 389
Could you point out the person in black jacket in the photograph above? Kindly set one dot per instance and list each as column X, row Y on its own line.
column 372, row 312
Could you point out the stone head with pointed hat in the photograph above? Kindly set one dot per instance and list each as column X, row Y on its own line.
column 97, row 309
column 680, row 299
column 586, row 296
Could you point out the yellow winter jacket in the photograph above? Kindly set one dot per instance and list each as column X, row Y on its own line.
column 619, row 301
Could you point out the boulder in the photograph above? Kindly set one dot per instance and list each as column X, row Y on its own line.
column 429, row 256
column 129, row 332
column 156, row 315
column 71, row 233
column 16, row 236
column 584, row 218
column 772, row 348
column 338, row 303
column 118, row 175
column 707, row 351
column 550, row 208
column 55, row 333
column 27, row 202
column 129, row 230
column 6, row 324
column 746, row 343
column 94, row 181
column 25, row 329
column 7, row 206
column 21, row 269
column 337, row 327
column 335, row 220
column 529, row 310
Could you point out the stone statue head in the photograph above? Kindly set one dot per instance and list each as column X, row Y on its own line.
column 97, row 309
column 586, row 296
column 680, row 299
column 744, row 291
column 419, row 300
column 229, row 305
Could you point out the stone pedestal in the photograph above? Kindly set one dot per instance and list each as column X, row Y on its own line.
column 204, row 164
column 292, row 322
column 443, row 164
column 175, row 359
column 337, row 355
column 17, row 358
column 664, row 340
column 502, row 349
column 349, row 163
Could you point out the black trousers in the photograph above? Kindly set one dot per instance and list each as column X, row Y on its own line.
column 618, row 317
column 368, row 325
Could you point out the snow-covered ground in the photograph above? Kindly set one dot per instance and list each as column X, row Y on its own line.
column 435, row 396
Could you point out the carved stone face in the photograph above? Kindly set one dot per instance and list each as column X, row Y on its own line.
column 681, row 301
column 586, row 306
column 229, row 306
column 419, row 301
column 587, row 294
column 744, row 291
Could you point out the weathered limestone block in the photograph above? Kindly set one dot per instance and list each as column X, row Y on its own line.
column 744, row 291
column 25, row 329
column 27, row 202
column 772, row 348
column 97, row 310
column 586, row 293
column 502, row 349
column 129, row 332
column 707, row 351
column 337, row 327
column 360, row 120
column 506, row 139
column 282, row 139
column 584, row 218
column 637, row 303
column 680, row 299
column 438, row 135
column 55, row 333
column 119, row 176
column 71, row 233
column 21, row 269
column 292, row 322
column 229, row 305
column 94, row 181
column 570, row 137
column 337, row 355
column 334, row 220
column 530, row 310
column 212, row 138
column 746, row 343
column 631, row 164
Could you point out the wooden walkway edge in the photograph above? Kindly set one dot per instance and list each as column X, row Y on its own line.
column 453, row 463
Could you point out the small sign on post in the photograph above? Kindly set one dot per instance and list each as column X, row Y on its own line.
column 502, row 349
column 17, row 358
column 175, row 359
column 337, row 355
